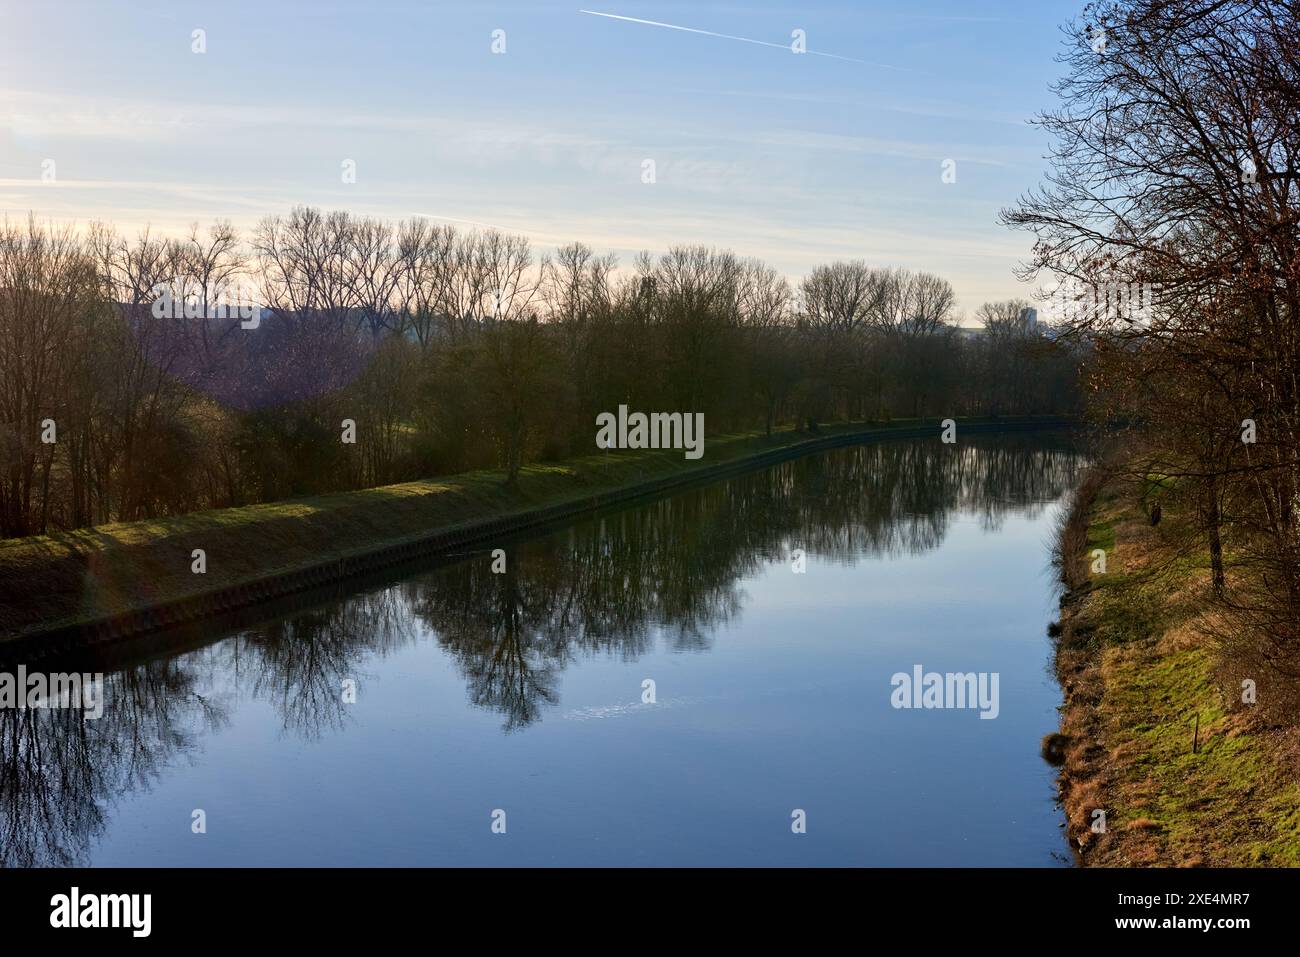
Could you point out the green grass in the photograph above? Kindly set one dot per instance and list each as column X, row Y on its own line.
column 1229, row 803
column 1101, row 535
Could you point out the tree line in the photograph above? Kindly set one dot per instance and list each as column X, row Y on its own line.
column 138, row 378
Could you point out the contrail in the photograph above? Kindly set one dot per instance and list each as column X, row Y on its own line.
column 728, row 36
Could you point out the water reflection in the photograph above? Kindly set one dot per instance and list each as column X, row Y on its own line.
column 59, row 774
column 667, row 571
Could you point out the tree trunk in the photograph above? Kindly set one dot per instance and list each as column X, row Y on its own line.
column 1214, row 523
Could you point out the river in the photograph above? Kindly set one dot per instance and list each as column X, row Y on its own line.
column 704, row 679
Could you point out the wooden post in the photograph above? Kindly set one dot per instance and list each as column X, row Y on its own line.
column 1196, row 734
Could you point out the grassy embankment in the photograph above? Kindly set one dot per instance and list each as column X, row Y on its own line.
column 1141, row 681
column 68, row 579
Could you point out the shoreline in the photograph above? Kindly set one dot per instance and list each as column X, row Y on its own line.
column 1152, row 734
column 108, row 583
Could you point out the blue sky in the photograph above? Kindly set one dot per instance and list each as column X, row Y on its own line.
column 797, row 159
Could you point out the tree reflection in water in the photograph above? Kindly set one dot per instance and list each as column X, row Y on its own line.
column 669, row 570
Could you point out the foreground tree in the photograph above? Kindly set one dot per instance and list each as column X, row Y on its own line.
column 1177, row 172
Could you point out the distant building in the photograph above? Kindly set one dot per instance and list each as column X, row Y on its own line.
column 1029, row 319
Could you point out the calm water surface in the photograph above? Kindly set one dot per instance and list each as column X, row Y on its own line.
column 523, row 692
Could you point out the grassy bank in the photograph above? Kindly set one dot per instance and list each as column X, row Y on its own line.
column 67, row 581
column 1186, row 773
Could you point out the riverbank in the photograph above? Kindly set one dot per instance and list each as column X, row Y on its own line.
column 113, row 581
column 1153, row 732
